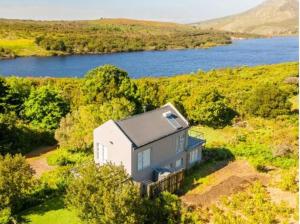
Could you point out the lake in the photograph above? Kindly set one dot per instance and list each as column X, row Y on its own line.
column 161, row 63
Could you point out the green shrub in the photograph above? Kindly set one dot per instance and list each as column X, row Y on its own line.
column 268, row 101
column 65, row 156
column 5, row 215
column 166, row 208
column 16, row 184
column 289, row 180
column 209, row 108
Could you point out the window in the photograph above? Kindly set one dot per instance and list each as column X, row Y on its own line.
column 179, row 163
column 193, row 156
column 144, row 159
column 101, row 153
column 180, row 143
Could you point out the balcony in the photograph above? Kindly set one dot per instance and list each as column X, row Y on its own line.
column 195, row 139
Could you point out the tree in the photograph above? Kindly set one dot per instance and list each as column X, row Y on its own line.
column 45, row 107
column 104, row 194
column 164, row 209
column 209, row 108
column 3, row 95
column 76, row 129
column 18, row 92
column 16, row 182
column 107, row 82
column 268, row 101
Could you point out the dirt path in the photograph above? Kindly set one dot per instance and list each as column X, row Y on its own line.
column 38, row 159
column 234, row 177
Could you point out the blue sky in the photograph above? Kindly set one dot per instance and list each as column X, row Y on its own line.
column 183, row 11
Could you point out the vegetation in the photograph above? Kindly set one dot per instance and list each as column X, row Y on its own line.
column 238, row 119
column 16, row 183
column 44, row 108
column 44, row 38
column 251, row 206
column 268, row 101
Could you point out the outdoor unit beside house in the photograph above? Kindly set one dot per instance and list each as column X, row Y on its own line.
column 148, row 145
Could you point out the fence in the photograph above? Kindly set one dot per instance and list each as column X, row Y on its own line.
column 171, row 183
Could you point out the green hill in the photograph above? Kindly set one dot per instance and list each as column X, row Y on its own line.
column 272, row 18
column 44, row 38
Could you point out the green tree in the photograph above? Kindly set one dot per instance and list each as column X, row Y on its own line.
column 45, row 107
column 104, row 194
column 268, row 101
column 18, row 92
column 164, row 209
column 16, row 182
column 208, row 108
column 3, row 95
column 107, row 82
column 76, row 129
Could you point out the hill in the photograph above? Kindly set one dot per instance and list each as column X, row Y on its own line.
column 45, row 38
column 272, row 18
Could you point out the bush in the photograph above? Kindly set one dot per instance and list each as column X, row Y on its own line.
column 5, row 215
column 16, row 183
column 65, row 156
column 217, row 154
column 209, row 108
column 289, row 180
column 164, row 209
column 268, row 101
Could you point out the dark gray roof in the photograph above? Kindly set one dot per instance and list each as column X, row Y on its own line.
column 144, row 128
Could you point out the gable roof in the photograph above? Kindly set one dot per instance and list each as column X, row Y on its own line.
column 150, row 126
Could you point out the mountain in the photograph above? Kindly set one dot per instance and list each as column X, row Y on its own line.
column 272, row 17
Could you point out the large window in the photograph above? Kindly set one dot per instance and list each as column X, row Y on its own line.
column 101, row 153
column 194, row 155
column 144, row 159
column 180, row 143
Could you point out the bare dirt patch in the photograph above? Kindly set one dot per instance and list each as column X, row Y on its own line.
column 278, row 196
column 38, row 159
column 234, row 177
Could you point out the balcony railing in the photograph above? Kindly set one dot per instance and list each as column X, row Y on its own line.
column 195, row 138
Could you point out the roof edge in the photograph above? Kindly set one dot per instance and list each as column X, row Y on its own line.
column 181, row 116
column 124, row 133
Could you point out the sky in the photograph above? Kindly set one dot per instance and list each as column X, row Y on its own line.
column 181, row 11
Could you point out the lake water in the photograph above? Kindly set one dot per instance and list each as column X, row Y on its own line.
column 161, row 63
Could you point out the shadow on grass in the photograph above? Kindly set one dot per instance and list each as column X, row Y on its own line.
column 52, row 204
column 213, row 159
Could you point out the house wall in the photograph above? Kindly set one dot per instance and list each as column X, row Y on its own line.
column 163, row 153
column 119, row 147
column 199, row 149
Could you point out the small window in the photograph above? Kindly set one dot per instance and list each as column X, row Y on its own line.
column 194, row 156
column 144, row 159
column 180, row 143
column 101, row 153
column 179, row 163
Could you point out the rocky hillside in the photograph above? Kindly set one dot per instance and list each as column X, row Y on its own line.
column 272, row 17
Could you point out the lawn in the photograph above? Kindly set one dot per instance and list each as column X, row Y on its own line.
column 23, row 47
column 50, row 212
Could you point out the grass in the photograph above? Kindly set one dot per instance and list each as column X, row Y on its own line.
column 258, row 141
column 50, row 212
column 23, row 47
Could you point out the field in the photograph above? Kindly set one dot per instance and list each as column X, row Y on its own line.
column 23, row 47
column 44, row 38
